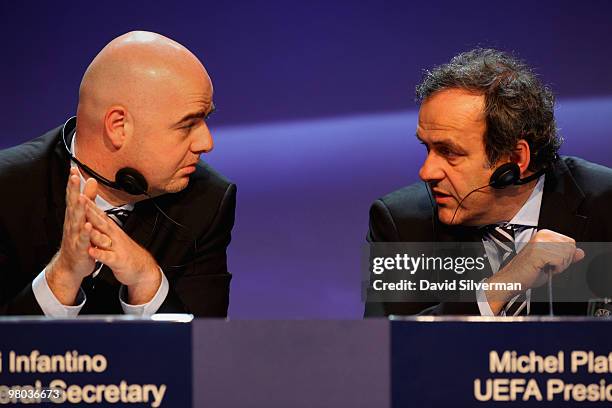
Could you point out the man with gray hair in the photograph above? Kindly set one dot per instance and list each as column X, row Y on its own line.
column 113, row 212
column 492, row 173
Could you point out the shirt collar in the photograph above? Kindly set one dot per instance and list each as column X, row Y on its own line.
column 100, row 202
column 529, row 213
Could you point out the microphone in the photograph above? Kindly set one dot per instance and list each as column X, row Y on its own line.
column 132, row 182
column 463, row 199
column 508, row 174
column 127, row 179
column 548, row 271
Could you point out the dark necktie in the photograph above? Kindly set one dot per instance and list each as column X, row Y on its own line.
column 119, row 215
column 502, row 237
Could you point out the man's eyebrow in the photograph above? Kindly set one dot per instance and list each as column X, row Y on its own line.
column 200, row 114
column 444, row 142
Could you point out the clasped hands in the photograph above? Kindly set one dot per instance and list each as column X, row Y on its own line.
column 90, row 235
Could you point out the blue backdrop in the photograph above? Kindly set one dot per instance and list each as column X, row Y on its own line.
column 315, row 110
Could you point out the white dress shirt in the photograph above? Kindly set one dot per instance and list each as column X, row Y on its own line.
column 527, row 220
column 53, row 308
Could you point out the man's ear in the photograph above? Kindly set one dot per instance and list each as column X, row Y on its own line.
column 117, row 125
column 521, row 155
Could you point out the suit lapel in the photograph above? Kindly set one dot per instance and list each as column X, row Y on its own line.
column 59, row 168
column 468, row 243
column 560, row 202
column 559, row 213
column 456, row 233
column 141, row 223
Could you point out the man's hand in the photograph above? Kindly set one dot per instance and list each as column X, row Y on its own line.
column 131, row 264
column 72, row 263
column 546, row 252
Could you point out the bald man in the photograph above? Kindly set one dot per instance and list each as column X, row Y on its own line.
column 113, row 212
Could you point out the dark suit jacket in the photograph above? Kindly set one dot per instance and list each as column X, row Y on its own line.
column 576, row 202
column 33, row 179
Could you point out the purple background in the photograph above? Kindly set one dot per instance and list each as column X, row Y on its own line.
column 316, row 114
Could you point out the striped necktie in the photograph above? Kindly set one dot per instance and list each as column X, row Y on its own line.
column 120, row 216
column 502, row 236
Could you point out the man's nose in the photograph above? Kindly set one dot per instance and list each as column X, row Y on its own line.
column 203, row 141
column 431, row 169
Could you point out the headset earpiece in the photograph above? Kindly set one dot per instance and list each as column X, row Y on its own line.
column 131, row 181
column 126, row 179
column 505, row 175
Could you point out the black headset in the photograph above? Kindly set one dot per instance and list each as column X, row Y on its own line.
column 508, row 174
column 127, row 179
